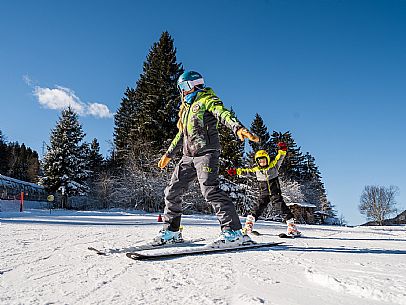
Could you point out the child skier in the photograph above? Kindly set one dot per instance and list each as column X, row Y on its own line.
column 199, row 114
column 269, row 188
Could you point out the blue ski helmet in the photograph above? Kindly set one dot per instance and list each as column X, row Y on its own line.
column 189, row 79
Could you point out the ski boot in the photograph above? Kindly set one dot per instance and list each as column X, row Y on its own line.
column 249, row 224
column 292, row 230
column 230, row 238
column 167, row 237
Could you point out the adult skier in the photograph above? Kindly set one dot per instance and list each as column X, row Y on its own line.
column 267, row 173
column 199, row 114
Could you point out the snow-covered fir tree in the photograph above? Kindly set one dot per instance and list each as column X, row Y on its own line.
column 312, row 185
column 259, row 128
column 95, row 158
column 123, row 120
column 148, row 113
column 33, row 166
column 232, row 149
column 330, row 209
column 157, row 90
column 232, row 156
column 66, row 161
column 145, row 124
column 291, row 166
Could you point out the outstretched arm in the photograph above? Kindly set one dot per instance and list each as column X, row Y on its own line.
column 226, row 117
column 240, row 171
column 176, row 144
column 278, row 159
column 223, row 115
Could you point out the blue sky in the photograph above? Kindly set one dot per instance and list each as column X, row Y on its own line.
column 331, row 72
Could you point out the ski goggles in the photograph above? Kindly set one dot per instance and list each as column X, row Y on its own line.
column 190, row 84
column 261, row 158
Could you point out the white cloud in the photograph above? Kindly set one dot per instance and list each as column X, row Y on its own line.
column 99, row 110
column 60, row 98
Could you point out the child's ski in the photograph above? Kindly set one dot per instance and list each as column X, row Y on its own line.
column 196, row 251
column 147, row 246
column 284, row 235
column 281, row 235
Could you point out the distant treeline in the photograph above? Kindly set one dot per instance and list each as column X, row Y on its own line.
column 18, row 161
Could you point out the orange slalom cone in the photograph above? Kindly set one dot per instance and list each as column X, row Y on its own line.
column 160, row 218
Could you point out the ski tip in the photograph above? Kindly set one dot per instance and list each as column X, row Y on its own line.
column 256, row 233
column 135, row 255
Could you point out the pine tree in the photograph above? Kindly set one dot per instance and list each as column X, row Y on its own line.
column 309, row 169
column 33, row 166
column 65, row 163
column 312, row 185
column 291, row 166
column 329, row 208
column 232, row 154
column 95, row 159
column 259, row 128
column 232, row 149
column 148, row 113
column 124, row 120
column 20, row 167
column 13, row 151
column 157, row 91
column 17, row 157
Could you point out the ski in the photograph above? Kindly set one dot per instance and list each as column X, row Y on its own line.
column 196, row 251
column 147, row 246
column 284, row 235
column 281, row 235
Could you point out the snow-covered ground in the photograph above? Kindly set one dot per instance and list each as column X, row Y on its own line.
column 44, row 260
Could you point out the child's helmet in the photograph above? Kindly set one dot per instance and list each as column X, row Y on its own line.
column 261, row 154
column 189, row 79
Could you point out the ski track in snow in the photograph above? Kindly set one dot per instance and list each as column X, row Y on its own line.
column 46, row 262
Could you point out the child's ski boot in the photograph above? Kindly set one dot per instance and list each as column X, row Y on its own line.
column 249, row 224
column 167, row 237
column 292, row 230
column 230, row 238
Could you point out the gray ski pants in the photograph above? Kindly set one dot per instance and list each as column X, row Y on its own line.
column 205, row 168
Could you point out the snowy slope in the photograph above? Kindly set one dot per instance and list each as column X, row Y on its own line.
column 44, row 259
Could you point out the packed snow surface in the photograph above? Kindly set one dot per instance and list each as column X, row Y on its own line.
column 44, row 260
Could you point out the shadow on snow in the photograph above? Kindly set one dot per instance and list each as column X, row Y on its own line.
column 344, row 250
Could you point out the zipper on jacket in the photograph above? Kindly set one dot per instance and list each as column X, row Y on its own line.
column 267, row 181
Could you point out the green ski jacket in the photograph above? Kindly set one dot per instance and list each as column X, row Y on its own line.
column 200, row 119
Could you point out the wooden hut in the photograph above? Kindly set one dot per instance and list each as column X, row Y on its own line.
column 303, row 211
